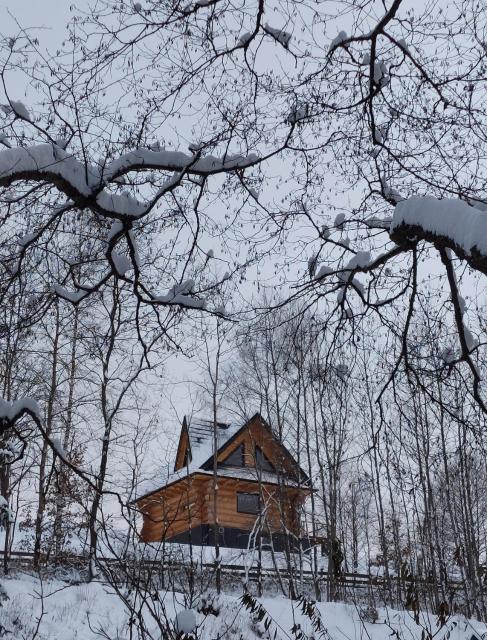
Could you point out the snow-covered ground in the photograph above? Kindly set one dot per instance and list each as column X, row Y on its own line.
column 59, row 611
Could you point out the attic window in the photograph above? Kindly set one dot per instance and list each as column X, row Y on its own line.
column 262, row 462
column 236, row 458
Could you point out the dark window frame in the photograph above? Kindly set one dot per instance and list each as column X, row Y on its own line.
column 249, row 511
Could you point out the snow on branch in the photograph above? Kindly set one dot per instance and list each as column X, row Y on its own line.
column 12, row 410
column 281, row 36
column 175, row 161
column 178, row 295
column 70, row 296
column 86, row 185
column 49, row 160
column 450, row 223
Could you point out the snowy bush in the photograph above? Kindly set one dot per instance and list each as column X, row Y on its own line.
column 209, row 604
column 369, row 614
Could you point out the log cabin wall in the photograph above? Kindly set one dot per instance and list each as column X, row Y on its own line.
column 172, row 510
column 278, row 506
column 189, row 503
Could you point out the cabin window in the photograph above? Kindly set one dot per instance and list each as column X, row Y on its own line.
column 235, row 459
column 248, row 503
column 261, row 461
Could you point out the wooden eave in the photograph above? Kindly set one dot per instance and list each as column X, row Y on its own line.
column 207, row 476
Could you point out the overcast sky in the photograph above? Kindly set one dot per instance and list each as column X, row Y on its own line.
column 48, row 14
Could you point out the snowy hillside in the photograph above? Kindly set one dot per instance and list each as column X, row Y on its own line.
column 87, row 611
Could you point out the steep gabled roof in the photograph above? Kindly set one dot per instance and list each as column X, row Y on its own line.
column 196, row 438
column 199, row 434
column 236, row 433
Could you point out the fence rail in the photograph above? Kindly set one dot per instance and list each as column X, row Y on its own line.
column 26, row 559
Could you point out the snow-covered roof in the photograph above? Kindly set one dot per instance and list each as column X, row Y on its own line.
column 200, row 434
column 238, row 473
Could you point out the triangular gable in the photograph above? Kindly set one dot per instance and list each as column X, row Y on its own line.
column 263, row 437
column 183, row 455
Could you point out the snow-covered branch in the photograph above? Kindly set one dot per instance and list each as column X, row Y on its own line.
column 86, row 185
column 447, row 223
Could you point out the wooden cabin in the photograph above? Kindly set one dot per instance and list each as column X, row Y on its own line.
column 260, row 489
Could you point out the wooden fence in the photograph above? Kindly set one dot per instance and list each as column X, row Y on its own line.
column 120, row 568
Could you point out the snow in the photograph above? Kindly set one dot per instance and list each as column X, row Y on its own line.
column 122, row 204
column 122, row 263
column 341, row 37
column 27, row 238
column 58, row 448
column 201, row 446
column 403, row 44
column 20, row 110
column 178, row 295
column 391, row 193
column 70, row 296
column 52, row 160
column 381, row 76
column 345, row 276
column 41, row 158
column 203, row 454
column 339, row 219
column 323, row 271
column 90, row 611
column 62, row 143
column 312, row 260
column 185, row 621
column 244, row 38
column 10, row 410
column 361, row 259
column 470, row 340
column 174, row 161
column 283, row 37
column 187, row 301
column 298, row 113
column 6, row 513
column 115, row 229
column 464, row 225
column 378, row 223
